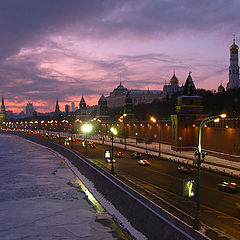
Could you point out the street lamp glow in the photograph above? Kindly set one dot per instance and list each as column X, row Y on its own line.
column 86, row 128
column 224, row 115
column 113, row 130
column 153, row 119
column 216, row 120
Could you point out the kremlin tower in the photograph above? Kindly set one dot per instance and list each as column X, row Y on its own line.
column 234, row 81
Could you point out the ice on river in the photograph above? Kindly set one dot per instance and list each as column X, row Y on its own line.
column 38, row 197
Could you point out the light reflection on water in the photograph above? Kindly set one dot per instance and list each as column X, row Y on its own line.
column 99, row 209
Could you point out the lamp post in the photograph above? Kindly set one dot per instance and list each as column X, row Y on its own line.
column 198, row 154
column 113, row 131
column 159, row 141
column 86, row 128
column 180, row 141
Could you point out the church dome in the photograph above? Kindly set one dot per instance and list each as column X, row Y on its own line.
column 174, row 79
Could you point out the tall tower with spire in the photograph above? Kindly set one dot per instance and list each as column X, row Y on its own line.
column 57, row 112
column 189, row 109
column 2, row 112
column 82, row 113
column 57, row 109
column 234, row 81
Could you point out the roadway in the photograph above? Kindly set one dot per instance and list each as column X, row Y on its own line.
column 162, row 183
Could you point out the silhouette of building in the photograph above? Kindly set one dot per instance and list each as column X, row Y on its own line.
column 2, row 112
column 82, row 113
column 67, row 108
column 57, row 113
column 29, row 108
column 221, row 88
column 189, row 109
column 102, row 109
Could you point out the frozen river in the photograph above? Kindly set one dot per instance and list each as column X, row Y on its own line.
column 40, row 199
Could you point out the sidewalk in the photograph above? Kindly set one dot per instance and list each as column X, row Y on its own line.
column 212, row 163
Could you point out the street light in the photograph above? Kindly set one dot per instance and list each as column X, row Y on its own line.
column 198, row 154
column 159, row 141
column 86, row 128
column 180, row 140
column 113, row 131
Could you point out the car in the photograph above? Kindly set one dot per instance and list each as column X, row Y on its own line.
column 92, row 146
column 185, row 169
column 109, row 160
column 143, row 162
column 137, row 155
column 74, row 139
column 229, row 187
column 120, row 155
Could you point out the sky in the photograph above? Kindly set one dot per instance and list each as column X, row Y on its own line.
column 66, row 49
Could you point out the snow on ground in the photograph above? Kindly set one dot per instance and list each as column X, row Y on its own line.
column 39, row 198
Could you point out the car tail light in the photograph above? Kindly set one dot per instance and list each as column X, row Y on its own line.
column 232, row 187
column 191, row 169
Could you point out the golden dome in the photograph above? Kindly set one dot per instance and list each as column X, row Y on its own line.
column 234, row 47
column 174, row 79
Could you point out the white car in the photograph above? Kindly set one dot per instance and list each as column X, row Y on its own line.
column 109, row 160
column 143, row 162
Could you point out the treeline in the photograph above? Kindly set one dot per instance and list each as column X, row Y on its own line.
column 213, row 103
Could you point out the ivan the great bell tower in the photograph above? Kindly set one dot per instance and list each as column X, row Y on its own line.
column 234, row 81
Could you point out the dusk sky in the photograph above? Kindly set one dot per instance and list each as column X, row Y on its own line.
column 68, row 48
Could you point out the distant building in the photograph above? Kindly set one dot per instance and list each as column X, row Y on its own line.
column 118, row 95
column 173, row 87
column 57, row 113
column 2, row 112
column 102, row 109
column 234, row 81
column 67, row 108
column 82, row 113
column 221, row 88
column 73, row 108
column 29, row 109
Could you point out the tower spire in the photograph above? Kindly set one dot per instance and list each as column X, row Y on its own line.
column 234, row 38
